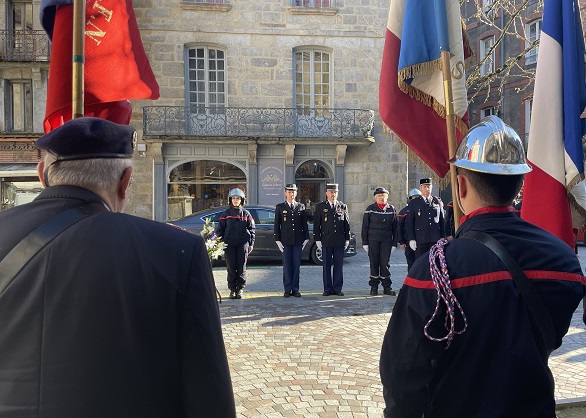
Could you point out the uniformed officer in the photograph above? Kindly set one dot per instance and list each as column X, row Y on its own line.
column 425, row 220
column 379, row 240
column 402, row 232
column 291, row 236
column 331, row 230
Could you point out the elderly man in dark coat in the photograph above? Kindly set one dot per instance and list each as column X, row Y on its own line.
column 104, row 314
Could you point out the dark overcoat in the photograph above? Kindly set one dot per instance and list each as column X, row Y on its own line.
column 291, row 223
column 116, row 317
column 331, row 226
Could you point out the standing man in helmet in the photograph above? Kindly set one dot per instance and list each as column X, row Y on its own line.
column 463, row 340
column 236, row 228
column 402, row 232
column 425, row 220
column 291, row 236
column 331, row 231
column 379, row 240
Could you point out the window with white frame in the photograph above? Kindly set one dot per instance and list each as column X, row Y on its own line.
column 18, row 106
column 488, row 8
column 528, row 110
column 532, row 33
column 487, row 55
column 206, row 77
column 312, row 80
column 311, row 3
column 487, row 111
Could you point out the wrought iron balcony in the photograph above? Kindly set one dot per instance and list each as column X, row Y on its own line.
column 257, row 122
column 24, row 46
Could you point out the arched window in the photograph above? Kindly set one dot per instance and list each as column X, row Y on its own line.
column 199, row 185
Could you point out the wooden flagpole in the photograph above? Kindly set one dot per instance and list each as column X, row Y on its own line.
column 77, row 90
column 444, row 40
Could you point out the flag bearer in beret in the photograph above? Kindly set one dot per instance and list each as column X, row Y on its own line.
column 331, row 231
column 112, row 315
column 379, row 240
column 425, row 221
column 291, row 236
column 463, row 339
column 402, row 232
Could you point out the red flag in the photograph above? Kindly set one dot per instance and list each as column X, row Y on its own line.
column 411, row 93
column 116, row 67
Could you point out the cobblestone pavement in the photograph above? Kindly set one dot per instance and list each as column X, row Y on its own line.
column 318, row 356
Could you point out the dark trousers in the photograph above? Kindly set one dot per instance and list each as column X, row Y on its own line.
column 410, row 256
column 379, row 254
column 291, row 266
column 236, row 257
column 422, row 248
column 333, row 256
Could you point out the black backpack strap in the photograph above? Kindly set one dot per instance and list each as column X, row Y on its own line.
column 34, row 242
column 532, row 299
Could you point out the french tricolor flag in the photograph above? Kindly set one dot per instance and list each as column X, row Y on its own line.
column 411, row 93
column 555, row 136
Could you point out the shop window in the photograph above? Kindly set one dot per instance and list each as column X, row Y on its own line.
column 199, row 185
column 17, row 191
column 19, row 106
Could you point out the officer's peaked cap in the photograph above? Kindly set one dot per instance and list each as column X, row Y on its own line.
column 380, row 190
column 332, row 187
column 426, row 180
column 291, row 186
column 84, row 138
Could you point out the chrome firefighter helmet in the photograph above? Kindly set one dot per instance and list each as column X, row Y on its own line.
column 236, row 192
column 492, row 147
column 414, row 192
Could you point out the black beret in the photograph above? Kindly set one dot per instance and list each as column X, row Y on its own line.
column 84, row 138
column 425, row 181
column 291, row 186
column 380, row 190
column 332, row 187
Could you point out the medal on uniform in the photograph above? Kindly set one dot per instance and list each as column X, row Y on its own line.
column 285, row 219
column 418, row 212
column 326, row 219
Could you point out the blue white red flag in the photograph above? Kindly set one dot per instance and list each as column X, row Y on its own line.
column 116, row 67
column 411, row 94
column 555, row 136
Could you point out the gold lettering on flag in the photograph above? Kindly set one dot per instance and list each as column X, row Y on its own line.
column 94, row 32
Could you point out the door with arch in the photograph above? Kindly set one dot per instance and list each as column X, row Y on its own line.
column 311, row 178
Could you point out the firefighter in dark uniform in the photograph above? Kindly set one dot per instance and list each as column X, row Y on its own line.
column 291, row 236
column 402, row 232
column 379, row 240
column 236, row 228
column 331, row 231
column 448, row 347
column 117, row 315
column 425, row 220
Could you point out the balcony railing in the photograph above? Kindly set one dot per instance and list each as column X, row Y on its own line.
column 257, row 122
column 24, row 46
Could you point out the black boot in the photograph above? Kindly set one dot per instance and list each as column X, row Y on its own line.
column 388, row 291
column 238, row 293
column 232, row 294
column 374, row 290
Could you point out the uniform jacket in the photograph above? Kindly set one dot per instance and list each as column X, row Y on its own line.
column 420, row 222
column 331, row 226
column 116, row 317
column 401, row 230
column 450, row 224
column 498, row 366
column 236, row 227
column 379, row 224
column 291, row 223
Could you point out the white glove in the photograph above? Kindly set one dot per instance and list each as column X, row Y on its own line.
column 346, row 244
column 318, row 243
column 365, row 248
column 304, row 244
column 413, row 244
column 280, row 245
column 393, row 249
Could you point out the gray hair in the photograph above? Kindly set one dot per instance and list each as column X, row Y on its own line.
column 94, row 173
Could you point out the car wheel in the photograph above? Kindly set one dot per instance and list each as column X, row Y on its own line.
column 316, row 255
